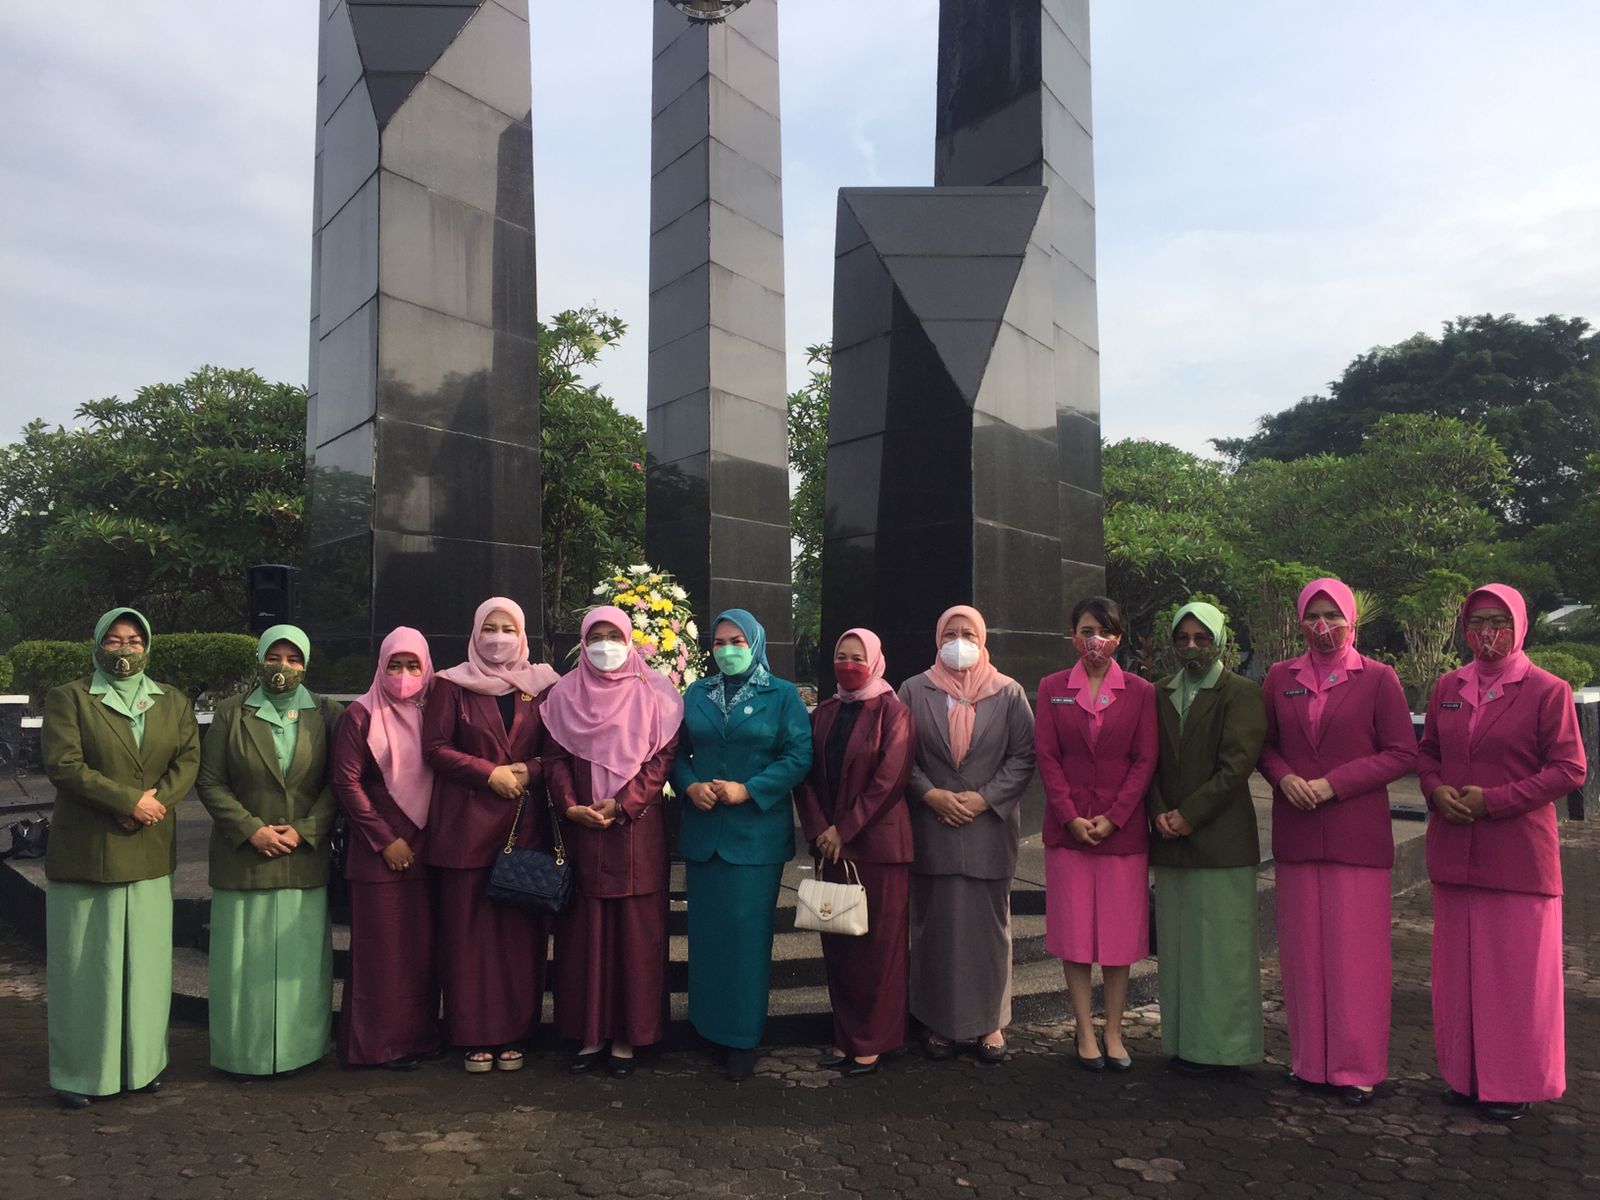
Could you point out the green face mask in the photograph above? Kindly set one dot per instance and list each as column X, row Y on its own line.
column 120, row 664
column 280, row 678
column 732, row 660
column 1197, row 660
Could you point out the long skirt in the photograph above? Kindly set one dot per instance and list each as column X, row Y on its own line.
column 609, row 977
column 1096, row 906
column 391, row 987
column 1498, row 1027
column 868, row 976
column 731, row 910
column 271, row 979
column 108, row 975
column 961, row 954
column 492, row 961
column 1333, row 950
column 1210, row 965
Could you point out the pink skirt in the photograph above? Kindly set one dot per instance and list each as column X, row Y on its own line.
column 1333, row 950
column 1498, row 1026
column 1096, row 906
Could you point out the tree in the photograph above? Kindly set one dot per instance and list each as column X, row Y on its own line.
column 1535, row 389
column 159, row 502
column 808, row 459
column 591, row 467
column 1427, row 614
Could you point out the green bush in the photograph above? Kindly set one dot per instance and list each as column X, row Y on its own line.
column 1588, row 652
column 40, row 666
column 1564, row 666
column 194, row 663
column 5, row 673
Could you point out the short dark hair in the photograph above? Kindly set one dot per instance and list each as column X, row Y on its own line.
column 1103, row 609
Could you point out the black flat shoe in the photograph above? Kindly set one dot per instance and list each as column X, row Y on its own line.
column 149, row 1089
column 1457, row 1099
column 72, row 1100
column 832, row 1062
column 855, row 1068
column 1119, row 1064
column 1095, row 1064
column 1496, row 1110
column 992, row 1055
column 1306, row 1084
column 406, row 1062
column 938, row 1049
column 583, row 1063
column 741, row 1065
column 1355, row 1097
column 1197, row 1070
column 620, row 1068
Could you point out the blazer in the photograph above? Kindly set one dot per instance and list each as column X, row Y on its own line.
column 99, row 774
column 1364, row 742
column 463, row 739
column 1525, row 754
column 1111, row 778
column 628, row 858
column 765, row 745
column 375, row 821
column 869, row 804
column 243, row 789
column 1204, row 773
column 998, row 766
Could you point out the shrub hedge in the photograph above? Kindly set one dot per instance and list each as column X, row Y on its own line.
column 194, row 663
column 1565, row 666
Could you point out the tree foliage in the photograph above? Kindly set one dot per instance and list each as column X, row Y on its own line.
column 808, row 459
column 159, row 502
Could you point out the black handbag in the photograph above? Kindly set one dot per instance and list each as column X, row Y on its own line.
column 532, row 879
column 29, row 838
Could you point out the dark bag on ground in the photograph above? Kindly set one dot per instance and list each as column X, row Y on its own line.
column 29, row 837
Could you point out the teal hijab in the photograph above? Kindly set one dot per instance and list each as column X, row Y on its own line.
column 730, row 690
column 282, row 710
column 1186, row 684
column 128, row 695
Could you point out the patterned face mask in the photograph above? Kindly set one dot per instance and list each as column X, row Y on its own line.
column 1489, row 645
column 1323, row 637
column 1197, row 660
column 1095, row 651
column 279, row 678
column 120, row 664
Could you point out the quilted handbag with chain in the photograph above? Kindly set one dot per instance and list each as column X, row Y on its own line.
column 533, row 879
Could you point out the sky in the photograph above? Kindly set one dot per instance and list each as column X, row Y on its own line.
column 1279, row 187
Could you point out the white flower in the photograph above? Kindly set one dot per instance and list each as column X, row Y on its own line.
column 639, row 569
column 694, row 634
column 677, row 593
column 641, row 620
column 601, row 590
column 690, row 675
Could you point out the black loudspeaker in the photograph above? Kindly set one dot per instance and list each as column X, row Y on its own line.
column 272, row 596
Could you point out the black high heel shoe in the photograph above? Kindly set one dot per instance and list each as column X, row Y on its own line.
column 854, row 1068
column 583, row 1063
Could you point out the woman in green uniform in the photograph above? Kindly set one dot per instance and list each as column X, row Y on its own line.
column 264, row 779
column 1204, row 850
column 121, row 751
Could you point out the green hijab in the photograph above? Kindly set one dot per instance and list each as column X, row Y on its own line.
column 1186, row 683
column 128, row 695
column 281, row 709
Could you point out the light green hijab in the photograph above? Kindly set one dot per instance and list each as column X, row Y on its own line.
column 281, row 710
column 1187, row 683
column 128, row 695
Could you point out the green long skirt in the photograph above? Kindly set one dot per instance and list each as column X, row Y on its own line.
column 271, row 979
column 731, row 911
column 108, row 974
column 1210, row 964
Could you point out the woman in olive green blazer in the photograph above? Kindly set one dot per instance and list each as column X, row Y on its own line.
column 121, row 751
column 264, row 780
column 1204, row 850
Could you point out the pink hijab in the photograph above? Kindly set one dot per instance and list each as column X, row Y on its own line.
column 615, row 721
column 1320, row 672
column 1480, row 680
column 876, row 685
column 518, row 675
column 395, row 735
column 968, row 687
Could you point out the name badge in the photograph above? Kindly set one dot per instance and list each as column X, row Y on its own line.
column 1298, row 692
column 1062, row 700
column 1451, row 704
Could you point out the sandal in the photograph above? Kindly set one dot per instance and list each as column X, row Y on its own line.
column 478, row 1061
column 509, row 1059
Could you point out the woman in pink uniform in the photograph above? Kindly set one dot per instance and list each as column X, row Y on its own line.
column 1338, row 733
column 1501, row 745
column 1096, row 739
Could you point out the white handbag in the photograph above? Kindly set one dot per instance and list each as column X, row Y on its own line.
column 833, row 907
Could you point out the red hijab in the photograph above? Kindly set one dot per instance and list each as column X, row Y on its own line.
column 966, row 688
column 394, row 735
column 876, row 685
column 479, row 675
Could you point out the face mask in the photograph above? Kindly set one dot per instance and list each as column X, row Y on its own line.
column 852, row 676
column 120, row 664
column 959, row 654
column 1197, row 660
column 732, row 660
column 1096, row 651
column 279, row 678
column 1323, row 637
column 1488, row 645
column 497, row 648
column 608, row 656
column 403, row 686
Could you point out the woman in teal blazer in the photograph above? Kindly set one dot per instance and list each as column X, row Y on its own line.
column 745, row 744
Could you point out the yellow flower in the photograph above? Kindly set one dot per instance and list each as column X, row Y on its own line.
column 666, row 606
column 655, row 579
column 669, row 641
column 638, row 635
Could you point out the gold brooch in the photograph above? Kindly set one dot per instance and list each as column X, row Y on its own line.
column 292, row 715
column 524, row 696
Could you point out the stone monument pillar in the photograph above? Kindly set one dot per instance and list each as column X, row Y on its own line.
column 423, row 427
column 717, row 469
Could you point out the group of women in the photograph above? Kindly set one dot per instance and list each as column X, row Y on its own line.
column 916, row 794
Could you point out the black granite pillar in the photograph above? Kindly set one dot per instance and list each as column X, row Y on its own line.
column 717, row 483
column 423, row 428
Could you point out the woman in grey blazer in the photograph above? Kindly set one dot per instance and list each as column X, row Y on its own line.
column 974, row 760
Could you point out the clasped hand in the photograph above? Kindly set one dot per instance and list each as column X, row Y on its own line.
column 1460, row 806
column 1091, row 831
column 274, row 841
column 1306, row 794
column 706, row 796
column 148, row 811
column 1171, row 825
column 509, row 781
column 955, row 809
column 602, row 814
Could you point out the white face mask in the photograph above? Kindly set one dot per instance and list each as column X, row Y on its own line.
column 959, row 654
column 608, row 656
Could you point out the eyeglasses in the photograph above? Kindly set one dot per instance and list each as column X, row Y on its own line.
column 1488, row 622
column 122, row 644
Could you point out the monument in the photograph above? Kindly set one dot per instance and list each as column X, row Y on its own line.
column 422, row 433
column 964, row 436
column 717, row 464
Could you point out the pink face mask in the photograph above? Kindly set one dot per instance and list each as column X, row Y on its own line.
column 1095, row 652
column 497, row 648
column 1323, row 637
column 1489, row 645
column 403, row 686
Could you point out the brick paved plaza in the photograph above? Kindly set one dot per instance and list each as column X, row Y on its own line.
column 1037, row 1126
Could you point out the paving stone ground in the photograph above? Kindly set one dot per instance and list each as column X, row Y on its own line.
column 1036, row 1126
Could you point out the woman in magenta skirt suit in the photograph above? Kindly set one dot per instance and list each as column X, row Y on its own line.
column 1500, row 747
column 1095, row 735
column 1338, row 733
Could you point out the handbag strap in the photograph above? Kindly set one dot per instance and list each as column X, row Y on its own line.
column 851, row 875
column 555, row 829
